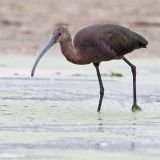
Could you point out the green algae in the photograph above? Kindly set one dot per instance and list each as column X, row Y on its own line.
column 54, row 116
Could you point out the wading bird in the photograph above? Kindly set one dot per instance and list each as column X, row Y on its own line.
column 95, row 44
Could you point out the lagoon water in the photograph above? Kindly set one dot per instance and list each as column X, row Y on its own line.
column 53, row 116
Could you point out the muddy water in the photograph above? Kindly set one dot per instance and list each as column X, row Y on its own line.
column 53, row 116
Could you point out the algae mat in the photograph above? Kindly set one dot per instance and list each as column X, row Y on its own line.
column 53, row 116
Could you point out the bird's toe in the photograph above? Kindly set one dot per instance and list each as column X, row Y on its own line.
column 136, row 108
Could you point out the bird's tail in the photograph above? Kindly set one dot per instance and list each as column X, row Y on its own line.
column 142, row 41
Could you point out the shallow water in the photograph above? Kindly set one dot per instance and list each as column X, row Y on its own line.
column 53, row 116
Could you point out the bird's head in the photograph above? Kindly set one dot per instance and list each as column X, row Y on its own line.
column 60, row 34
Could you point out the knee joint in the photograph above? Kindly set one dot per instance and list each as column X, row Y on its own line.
column 134, row 69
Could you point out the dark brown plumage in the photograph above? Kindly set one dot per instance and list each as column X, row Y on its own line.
column 107, row 42
column 95, row 44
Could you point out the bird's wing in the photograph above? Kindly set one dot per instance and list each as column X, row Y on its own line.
column 121, row 41
column 107, row 42
column 109, row 38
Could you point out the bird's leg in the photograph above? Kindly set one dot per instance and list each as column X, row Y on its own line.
column 135, row 107
column 100, row 85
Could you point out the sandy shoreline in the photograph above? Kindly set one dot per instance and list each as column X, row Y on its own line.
column 24, row 28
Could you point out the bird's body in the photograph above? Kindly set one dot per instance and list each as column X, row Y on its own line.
column 99, row 43
column 95, row 44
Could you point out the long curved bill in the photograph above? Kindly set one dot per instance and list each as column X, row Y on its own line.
column 49, row 44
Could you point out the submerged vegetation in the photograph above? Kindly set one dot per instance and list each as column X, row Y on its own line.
column 112, row 74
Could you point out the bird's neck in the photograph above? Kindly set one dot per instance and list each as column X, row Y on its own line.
column 69, row 51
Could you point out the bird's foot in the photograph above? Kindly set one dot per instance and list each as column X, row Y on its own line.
column 136, row 108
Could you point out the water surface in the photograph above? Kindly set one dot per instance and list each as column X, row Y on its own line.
column 53, row 116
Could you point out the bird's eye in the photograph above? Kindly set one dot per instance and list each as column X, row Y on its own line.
column 59, row 34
